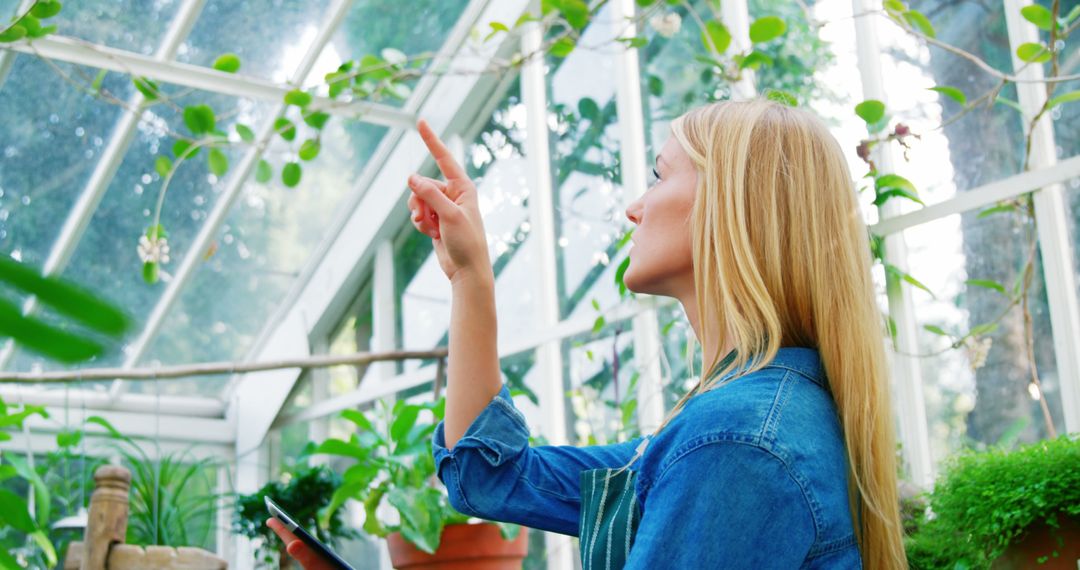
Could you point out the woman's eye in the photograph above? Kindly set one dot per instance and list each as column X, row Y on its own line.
column 656, row 175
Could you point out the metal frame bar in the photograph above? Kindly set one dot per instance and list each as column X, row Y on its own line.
column 1059, row 269
column 79, row 52
column 986, row 195
column 907, row 385
column 648, row 347
column 217, row 216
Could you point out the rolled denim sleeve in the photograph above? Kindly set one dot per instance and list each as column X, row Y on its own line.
column 723, row 504
column 493, row 473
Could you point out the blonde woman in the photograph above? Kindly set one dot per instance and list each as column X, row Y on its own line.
column 783, row 456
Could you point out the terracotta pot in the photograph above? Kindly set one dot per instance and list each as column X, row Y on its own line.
column 462, row 547
column 1041, row 540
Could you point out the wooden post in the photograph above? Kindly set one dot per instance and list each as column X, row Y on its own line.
column 107, row 522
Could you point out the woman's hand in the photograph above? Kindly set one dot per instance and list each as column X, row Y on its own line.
column 449, row 213
column 296, row 548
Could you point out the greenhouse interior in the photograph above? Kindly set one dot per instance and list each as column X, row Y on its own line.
column 220, row 296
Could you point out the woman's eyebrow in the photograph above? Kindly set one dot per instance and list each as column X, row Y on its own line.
column 659, row 157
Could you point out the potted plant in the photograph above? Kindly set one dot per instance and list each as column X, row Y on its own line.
column 1003, row 510
column 304, row 493
column 395, row 465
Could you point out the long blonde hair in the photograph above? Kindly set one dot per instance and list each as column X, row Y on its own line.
column 781, row 257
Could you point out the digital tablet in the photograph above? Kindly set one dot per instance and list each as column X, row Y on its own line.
column 312, row 542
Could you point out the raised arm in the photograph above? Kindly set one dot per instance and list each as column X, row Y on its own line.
column 449, row 213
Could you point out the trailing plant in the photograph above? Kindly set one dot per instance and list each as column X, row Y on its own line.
column 394, row 466
column 986, row 500
column 303, row 493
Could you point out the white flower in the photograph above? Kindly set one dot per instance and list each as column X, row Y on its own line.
column 156, row 251
column 666, row 25
column 977, row 351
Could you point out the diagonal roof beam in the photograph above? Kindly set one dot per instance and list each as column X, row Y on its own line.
column 124, row 132
column 79, row 52
column 221, row 209
column 328, row 285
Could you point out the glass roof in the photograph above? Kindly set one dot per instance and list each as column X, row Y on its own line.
column 270, row 232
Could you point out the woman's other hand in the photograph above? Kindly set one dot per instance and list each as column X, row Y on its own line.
column 296, row 548
column 449, row 213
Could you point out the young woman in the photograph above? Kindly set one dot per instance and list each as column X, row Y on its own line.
column 783, row 455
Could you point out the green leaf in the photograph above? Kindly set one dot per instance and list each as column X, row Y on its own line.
column 635, row 42
column 316, row 119
column 767, row 28
column 246, row 134
column 598, row 324
column 404, row 420
column 1063, row 98
column 42, row 540
column 983, row 329
column 913, row 281
column 14, row 33
column 562, row 47
column 619, row 273
column 334, row 446
column 1033, row 53
column 781, row 96
column 1038, row 15
column 298, row 98
column 917, row 20
column 754, row 60
column 1072, row 15
column 162, row 165
column 360, row 420
column 496, row 27
column 285, row 128
column 227, row 62
column 63, row 296
column 952, row 93
column 656, row 86
column 988, row 284
column 180, row 147
column 150, row 272
column 310, row 149
column 68, row 438
column 936, row 330
column 589, row 109
column 263, row 172
column 715, row 37
column 14, row 512
column 290, row 174
column 895, row 6
column 46, row 9
column 871, row 111
column 890, row 181
column 576, row 13
column 199, row 118
column 885, row 196
column 148, row 88
column 218, row 162
column 112, row 431
column 996, row 210
column 1009, row 103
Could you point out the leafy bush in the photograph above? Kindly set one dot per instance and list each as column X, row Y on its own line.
column 303, row 495
column 986, row 500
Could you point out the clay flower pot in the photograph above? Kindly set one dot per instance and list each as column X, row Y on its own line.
column 462, row 547
column 1041, row 541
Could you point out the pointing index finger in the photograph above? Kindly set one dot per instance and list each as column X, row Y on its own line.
column 449, row 167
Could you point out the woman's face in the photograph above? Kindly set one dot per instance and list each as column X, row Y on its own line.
column 660, row 259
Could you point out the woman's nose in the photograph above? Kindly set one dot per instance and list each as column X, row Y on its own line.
column 632, row 213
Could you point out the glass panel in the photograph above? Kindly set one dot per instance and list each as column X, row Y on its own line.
column 588, row 200
column 601, row 382
column 132, row 25
column 495, row 163
column 261, row 249
column 981, row 392
column 354, row 335
column 107, row 257
column 270, row 36
column 48, row 156
column 374, row 25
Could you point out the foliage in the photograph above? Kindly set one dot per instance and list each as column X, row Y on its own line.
column 985, row 501
column 303, row 494
column 395, row 463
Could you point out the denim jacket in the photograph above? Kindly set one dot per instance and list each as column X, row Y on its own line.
column 750, row 474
